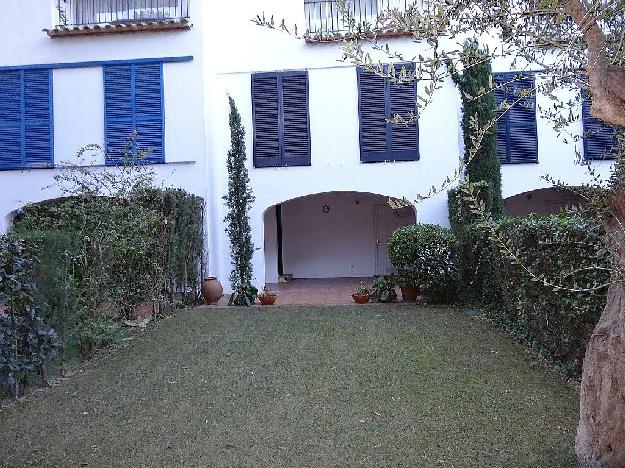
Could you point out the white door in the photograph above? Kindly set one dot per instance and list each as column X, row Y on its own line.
column 385, row 222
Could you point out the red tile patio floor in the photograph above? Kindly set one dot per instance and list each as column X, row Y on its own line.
column 330, row 291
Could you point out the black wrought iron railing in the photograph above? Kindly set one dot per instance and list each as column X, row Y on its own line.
column 325, row 16
column 92, row 12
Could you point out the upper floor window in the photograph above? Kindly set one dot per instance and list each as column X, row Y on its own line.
column 324, row 17
column 380, row 99
column 97, row 16
column 517, row 138
column 281, row 124
column 26, row 121
column 599, row 139
column 133, row 107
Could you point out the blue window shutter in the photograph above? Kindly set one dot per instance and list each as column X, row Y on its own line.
column 517, row 138
column 295, row 124
column 266, row 115
column 403, row 101
column 149, row 115
column 38, row 132
column 133, row 103
column 26, row 122
column 118, row 111
column 599, row 137
column 373, row 111
column 11, row 119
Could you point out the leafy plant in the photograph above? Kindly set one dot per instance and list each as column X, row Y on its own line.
column 267, row 293
column 425, row 255
column 383, row 289
column 243, row 295
column 362, row 290
column 27, row 342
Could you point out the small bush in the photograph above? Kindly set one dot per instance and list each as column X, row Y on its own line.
column 425, row 255
column 243, row 295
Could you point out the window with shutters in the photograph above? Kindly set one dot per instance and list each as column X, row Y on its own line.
column 281, row 123
column 26, row 122
column 379, row 100
column 133, row 112
column 517, row 138
column 599, row 139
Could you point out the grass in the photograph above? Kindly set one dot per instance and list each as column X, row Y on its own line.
column 308, row 386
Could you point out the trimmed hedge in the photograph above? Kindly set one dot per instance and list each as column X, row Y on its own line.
column 425, row 254
column 569, row 252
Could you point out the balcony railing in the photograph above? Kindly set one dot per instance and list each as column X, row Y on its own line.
column 123, row 14
column 324, row 18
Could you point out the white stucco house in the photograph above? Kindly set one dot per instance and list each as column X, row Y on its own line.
column 322, row 164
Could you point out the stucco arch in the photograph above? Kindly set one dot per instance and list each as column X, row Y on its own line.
column 543, row 201
column 330, row 234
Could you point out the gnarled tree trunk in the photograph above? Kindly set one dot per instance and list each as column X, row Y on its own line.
column 601, row 432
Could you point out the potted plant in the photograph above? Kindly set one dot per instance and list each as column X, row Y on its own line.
column 362, row 294
column 243, row 295
column 383, row 289
column 409, row 285
column 267, row 297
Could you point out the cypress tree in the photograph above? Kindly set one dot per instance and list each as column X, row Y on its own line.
column 474, row 84
column 239, row 201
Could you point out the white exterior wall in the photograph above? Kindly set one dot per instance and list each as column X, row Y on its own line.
column 227, row 48
column 78, row 98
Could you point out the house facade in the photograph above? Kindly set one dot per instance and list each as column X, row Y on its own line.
column 323, row 161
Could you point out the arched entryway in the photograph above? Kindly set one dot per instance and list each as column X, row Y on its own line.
column 331, row 235
column 545, row 201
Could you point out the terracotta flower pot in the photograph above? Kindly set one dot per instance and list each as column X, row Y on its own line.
column 409, row 294
column 212, row 290
column 360, row 298
column 267, row 300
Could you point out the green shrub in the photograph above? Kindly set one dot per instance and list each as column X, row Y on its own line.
column 243, row 295
column 425, row 255
column 54, row 255
column 563, row 249
column 27, row 342
column 383, row 289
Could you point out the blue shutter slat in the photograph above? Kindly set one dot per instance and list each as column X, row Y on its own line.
column 296, row 136
column 118, row 92
column 10, row 98
column 266, row 115
column 118, row 111
column 404, row 139
column 10, row 119
column 599, row 137
column 26, row 138
column 372, row 112
column 150, row 138
column 38, row 121
column 149, row 110
column 134, row 104
column 517, row 140
column 10, row 147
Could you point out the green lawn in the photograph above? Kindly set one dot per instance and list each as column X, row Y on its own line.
column 310, row 386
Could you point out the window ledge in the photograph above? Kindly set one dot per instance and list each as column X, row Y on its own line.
column 120, row 27
column 91, row 166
